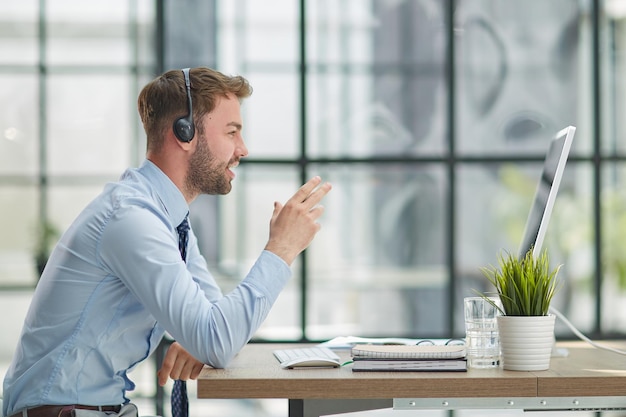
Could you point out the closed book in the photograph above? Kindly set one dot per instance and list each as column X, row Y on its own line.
column 411, row 365
column 409, row 351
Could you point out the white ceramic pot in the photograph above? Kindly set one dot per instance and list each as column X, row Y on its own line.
column 526, row 342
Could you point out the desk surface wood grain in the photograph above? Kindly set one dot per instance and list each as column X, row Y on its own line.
column 255, row 373
column 586, row 371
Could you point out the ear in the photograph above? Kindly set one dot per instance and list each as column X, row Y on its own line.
column 175, row 142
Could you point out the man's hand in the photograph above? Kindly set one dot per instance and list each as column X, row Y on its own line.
column 294, row 225
column 178, row 364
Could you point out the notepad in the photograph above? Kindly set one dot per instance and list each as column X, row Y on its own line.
column 408, row 352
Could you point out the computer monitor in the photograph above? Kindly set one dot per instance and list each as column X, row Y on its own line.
column 547, row 189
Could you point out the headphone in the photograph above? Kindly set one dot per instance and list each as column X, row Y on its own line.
column 184, row 128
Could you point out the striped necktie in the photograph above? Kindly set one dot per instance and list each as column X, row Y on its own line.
column 180, row 402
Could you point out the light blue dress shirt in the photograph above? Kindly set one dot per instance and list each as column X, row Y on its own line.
column 114, row 284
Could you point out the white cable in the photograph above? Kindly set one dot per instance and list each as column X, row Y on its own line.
column 582, row 336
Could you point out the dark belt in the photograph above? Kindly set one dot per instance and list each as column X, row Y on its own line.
column 64, row 410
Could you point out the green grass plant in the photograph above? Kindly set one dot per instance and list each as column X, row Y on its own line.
column 525, row 286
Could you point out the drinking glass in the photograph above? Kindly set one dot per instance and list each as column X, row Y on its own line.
column 481, row 332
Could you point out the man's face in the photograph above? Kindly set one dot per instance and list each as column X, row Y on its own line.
column 218, row 150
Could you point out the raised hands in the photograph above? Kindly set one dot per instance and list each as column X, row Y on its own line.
column 294, row 225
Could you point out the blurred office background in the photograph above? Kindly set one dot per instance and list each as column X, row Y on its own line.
column 430, row 117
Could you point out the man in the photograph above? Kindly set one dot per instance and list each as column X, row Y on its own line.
column 123, row 273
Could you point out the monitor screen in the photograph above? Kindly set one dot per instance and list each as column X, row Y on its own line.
column 543, row 202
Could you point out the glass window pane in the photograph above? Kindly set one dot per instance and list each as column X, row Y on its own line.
column 145, row 26
column 19, row 125
column 18, row 223
column 355, row 115
column 494, row 202
column 18, row 32
column 89, row 124
column 257, row 36
column 271, row 116
column 65, row 202
column 410, row 115
column 613, row 61
column 376, row 82
column 517, row 73
column 342, row 121
column 381, row 244
column 613, row 250
column 272, row 32
column 81, row 33
column 339, row 32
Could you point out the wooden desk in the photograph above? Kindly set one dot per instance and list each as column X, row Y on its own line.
column 588, row 379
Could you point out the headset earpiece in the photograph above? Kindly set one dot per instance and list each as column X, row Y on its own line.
column 184, row 128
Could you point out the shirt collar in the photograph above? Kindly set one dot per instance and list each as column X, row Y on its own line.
column 171, row 197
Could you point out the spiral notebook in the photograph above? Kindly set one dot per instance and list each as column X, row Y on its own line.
column 360, row 352
column 425, row 358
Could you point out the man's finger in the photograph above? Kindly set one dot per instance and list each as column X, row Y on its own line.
column 196, row 371
column 316, row 212
column 316, row 196
column 305, row 190
column 163, row 374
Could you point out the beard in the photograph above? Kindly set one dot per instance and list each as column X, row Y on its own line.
column 206, row 175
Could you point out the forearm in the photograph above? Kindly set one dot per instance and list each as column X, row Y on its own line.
column 217, row 333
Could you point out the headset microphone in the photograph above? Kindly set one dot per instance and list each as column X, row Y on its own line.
column 184, row 128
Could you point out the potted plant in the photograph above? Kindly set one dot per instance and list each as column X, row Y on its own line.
column 526, row 288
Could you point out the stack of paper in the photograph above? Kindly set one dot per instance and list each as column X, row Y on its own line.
column 426, row 358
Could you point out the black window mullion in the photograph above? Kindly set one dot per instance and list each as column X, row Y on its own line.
column 597, row 162
column 302, row 162
column 451, row 166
